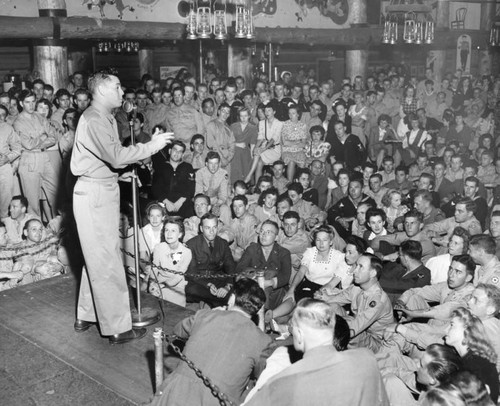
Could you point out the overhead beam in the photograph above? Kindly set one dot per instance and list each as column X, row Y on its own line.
column 85, row 28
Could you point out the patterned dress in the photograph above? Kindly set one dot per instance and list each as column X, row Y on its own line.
column 293, row 139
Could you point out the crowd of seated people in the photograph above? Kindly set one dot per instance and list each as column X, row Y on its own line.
column 372, row 204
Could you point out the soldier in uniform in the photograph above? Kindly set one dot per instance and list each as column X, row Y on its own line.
column 450, row 295
column 184, row 120
column 370, row 306
column 464, row 217
column 211, row 255
column 96, row 157
column 482, row 249
column 213, row 181
column 242, row 227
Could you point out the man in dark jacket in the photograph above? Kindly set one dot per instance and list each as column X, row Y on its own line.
column 211, row 255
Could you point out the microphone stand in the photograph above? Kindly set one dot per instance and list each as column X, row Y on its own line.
column 146, row 316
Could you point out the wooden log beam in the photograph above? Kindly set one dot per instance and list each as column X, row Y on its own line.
column 85, row 28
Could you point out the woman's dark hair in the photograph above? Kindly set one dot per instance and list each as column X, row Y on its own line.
column 265, row 193
column 178, row 221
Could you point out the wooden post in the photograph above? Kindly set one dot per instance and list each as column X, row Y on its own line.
column 239, row 61
column 52, row 64
column 145, row 62
column 50, row 56
column 356, row 60
column 356, row 63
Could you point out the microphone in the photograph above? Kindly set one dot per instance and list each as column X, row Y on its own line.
column 128, row 106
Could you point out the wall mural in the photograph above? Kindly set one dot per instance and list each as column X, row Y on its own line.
column 329, row 14
column 336, row 10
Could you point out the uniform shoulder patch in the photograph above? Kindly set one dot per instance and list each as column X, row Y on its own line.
column 373, row 303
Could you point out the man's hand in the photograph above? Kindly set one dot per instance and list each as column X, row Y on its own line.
column 179, row 203
column 159, row 140
column 391, row 257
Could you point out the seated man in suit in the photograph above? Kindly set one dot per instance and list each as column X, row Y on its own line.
column 211, row 255
column 268, row 256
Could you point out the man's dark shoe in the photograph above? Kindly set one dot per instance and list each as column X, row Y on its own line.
column 128, row 336
column 82, row 325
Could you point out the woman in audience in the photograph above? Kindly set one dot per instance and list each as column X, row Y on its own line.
column 310, row 194
column 358, row 115
column 266, row 206
column 245, row 134
column 393, row 208
column 173, row 255
column 467, row 335
column 293, row 141
column 458, row 244
column 268, row 148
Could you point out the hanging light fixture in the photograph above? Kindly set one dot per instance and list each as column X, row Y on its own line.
column 494, row 40
column 192, row 22
column 104, row 47
column 220, row 26
column 409, row 31
column 415, row 19
column 199, row 23
column 204, row 22
column 429, row 32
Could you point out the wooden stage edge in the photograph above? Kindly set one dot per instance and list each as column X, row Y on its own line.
column 43, row 314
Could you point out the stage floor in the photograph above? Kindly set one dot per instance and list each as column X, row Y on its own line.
column 36, row 327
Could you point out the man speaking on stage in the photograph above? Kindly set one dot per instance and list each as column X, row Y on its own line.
column 96, row 158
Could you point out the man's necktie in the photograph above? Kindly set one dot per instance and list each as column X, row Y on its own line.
column 211, row 247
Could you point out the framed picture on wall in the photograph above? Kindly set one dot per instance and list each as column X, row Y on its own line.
column 169, row 71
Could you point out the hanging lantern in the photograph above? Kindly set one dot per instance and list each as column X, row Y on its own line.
column 387, row 32
column 429, row 32
column 249, row 23
column 393, row 33
column 240, row 22
column 494, row 35
column 409, row 32
column 204, row 26
column 220, row 27
column 191, row 25
column 419, row 32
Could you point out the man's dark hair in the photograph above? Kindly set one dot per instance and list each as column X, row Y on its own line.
column 296, row 187
column 424, row 194
column 201, row 196
column 291, row 215
column 22, row 200
column 178, row 143
column 470, row 205
column 412, row 249
column 208, row 216
column 241, row 198
column 486, row 242
column 284, row 198
column 375, row 263
column 249, row 296
column 467, row 261
column 212, row 155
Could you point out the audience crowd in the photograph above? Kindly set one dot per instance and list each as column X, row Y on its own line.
column 371, row 207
